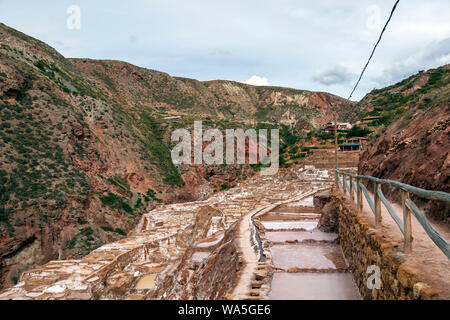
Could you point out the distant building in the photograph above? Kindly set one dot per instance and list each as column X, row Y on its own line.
column 340, row 126
column 352, row 144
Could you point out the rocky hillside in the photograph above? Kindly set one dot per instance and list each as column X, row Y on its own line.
column 133, row 86
column 412, row 143
column 86, row 149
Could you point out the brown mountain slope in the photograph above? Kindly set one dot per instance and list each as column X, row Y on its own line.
column 222, row 99
column 72, row 161
column 413, row 145
column 84, row 151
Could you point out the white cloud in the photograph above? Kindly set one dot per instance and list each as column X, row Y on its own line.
column 434, row 55
column 257, row 81
column 298, row 12
column 444, row 59
column 290, row 42
column 221, row 53
column 334, row 75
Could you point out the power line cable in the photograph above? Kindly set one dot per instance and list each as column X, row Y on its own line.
column 374, row 48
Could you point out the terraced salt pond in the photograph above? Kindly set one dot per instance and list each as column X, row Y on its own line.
column 314, row 286
column 290, row 225
column 309, row 264
column 300, row 236
column 146, row 282
column 308, row 256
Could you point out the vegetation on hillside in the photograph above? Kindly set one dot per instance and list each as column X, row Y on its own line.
column 81, row 139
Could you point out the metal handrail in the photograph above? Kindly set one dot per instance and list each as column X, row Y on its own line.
column 428, row 194
column 409, row 207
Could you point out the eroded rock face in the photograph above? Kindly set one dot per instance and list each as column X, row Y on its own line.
column 329, row 219
column 416, row 152
column 206, row 271
column 322, row 198
column 207, row 222
column 74, row 131
column 117, row 285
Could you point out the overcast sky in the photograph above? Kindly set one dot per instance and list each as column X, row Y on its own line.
column 318, row 45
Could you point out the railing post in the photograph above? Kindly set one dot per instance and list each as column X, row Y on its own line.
column 377, row 202
column 337, row 180
column 344, row 181
column 359, row 195
column 351, row 188
column 407, row 223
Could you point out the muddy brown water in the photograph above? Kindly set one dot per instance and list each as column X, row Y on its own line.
column 146, row 282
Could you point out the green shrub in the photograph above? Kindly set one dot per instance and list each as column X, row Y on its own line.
column 288, row 137
column 116, row 230
column 152, row 195
column 138, row 204
column 3, row 215
column 41, row 65
column 158, row 151
column 127, row 208
column 293, row 150
column 114, row 201
column 120, row 182
column 87, row 232
column 108, row 229
column 358, row 132
column 257, row 167
column 120, row 231
column 326, row 135
column 385, row 120
column 110, row 200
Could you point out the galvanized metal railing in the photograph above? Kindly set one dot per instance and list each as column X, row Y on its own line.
column 355, row 185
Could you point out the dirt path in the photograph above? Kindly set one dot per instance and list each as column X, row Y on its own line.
column 241, row 291
column 433, row 264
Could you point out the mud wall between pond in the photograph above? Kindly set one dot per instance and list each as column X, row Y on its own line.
column 209, row 279
column 364, row 247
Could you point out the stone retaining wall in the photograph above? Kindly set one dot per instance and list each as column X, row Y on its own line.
column 364, row 247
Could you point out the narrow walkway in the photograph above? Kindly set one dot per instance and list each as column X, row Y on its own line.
column 308, row 263
column 426, row 257
column 247, row 247
column 241, row 291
